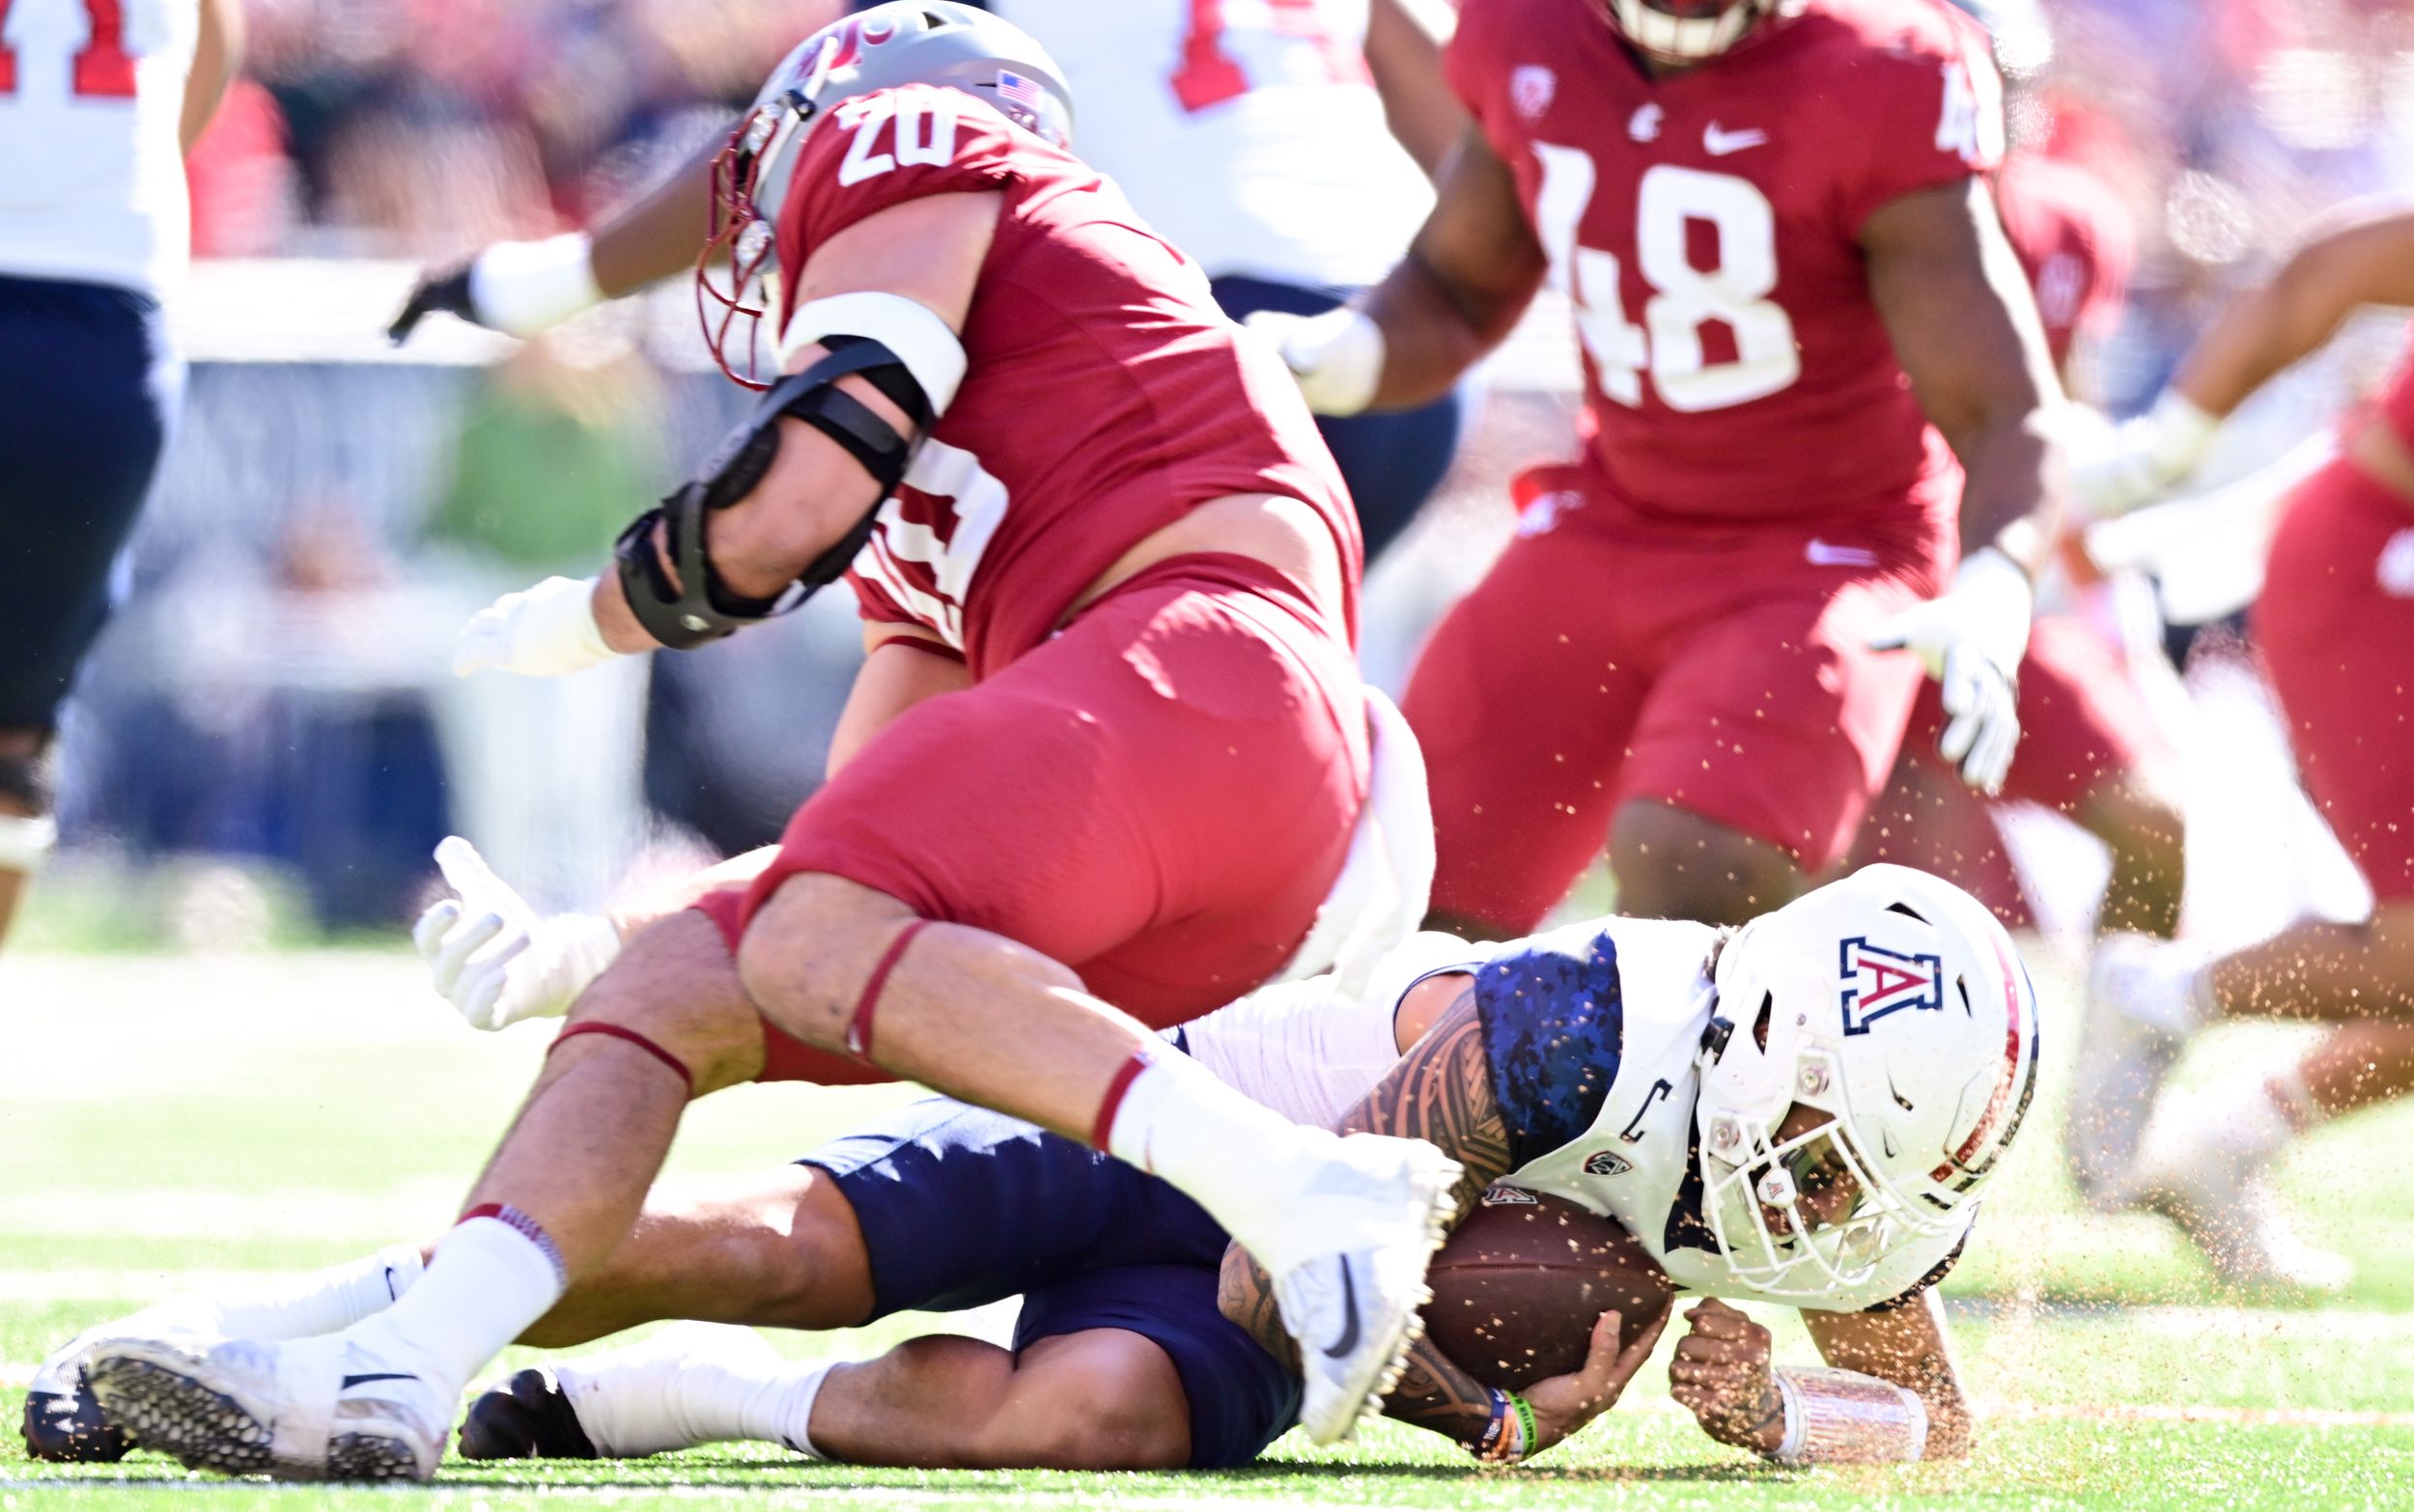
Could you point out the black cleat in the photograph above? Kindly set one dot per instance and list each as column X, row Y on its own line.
column 71, row 1428
column 529, row 1417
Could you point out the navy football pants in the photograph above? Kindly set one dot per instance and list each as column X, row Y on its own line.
column 88, row 390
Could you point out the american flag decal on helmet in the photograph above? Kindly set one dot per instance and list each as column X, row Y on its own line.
column 1877, row 982
column 1013, row 86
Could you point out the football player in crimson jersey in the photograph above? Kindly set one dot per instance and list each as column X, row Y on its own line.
column 1605, row 1062
column 1107, row 750
column 1279, row 144
column 2090, row 748
column 98, row 103
column 1790, row 292
column 2335, row 625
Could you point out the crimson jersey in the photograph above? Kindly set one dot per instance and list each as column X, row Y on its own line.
column 1103, row 397
column 2073, row 241
column 2394, row 403
column 1707, row 226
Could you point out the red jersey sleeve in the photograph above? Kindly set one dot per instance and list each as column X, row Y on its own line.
column 1926, row 110
column 886, row 148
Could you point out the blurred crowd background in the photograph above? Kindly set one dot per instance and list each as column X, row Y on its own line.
column 332, row 509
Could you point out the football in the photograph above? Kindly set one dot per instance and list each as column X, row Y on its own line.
column 1517, row 1288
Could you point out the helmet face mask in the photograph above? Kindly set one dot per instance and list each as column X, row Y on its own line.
column 1874, row 1049
column 925, row 42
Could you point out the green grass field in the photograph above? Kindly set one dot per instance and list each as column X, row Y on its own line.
column 170, row 1119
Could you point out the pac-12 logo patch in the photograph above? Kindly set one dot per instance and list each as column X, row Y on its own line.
column 1607, row 1163
column 1877, row 982
column 1532, row 87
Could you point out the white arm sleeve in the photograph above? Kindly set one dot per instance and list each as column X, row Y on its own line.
column 1308, row 1051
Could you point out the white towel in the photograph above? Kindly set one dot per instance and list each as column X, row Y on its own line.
column 1386, row 880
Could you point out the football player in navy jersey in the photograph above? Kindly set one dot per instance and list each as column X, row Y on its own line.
column 98, row 103
column 1802, row 1111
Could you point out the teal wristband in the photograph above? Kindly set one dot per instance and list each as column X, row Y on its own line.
column 1527, row 1439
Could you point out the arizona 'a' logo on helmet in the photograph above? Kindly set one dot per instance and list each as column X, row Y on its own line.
column 1878, row 981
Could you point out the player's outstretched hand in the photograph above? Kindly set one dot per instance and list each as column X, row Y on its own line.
column 1721, row 1374
column 546, row 631
column 490, row 954
column 1337, row 356
column 1971, row 638
column 2114, row 469
column 447, row 290
column 1564, row 1404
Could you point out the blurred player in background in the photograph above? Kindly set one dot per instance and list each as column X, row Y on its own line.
column 2091, row 748
column 1252, row 137
column 2336, row 628
column 1789, row 280
column 100, row 100
column 1108, row 751
column 1604, row 1059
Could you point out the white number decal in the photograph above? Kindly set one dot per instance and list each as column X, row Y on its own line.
column 1733, row 292
column 1971, row 125
column 926, row 133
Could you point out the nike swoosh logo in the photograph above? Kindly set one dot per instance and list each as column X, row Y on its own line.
column 351, row 1382
column 1718, row 143
column 1348, row 1340
column 391, row 1294
column 1823, row 553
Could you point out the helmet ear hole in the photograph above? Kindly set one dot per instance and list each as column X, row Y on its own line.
column 1760, row 1024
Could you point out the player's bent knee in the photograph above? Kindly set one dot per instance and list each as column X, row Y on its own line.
column 27, row 831
column 810, row 949
column 673, row 993
column 1102, row 1400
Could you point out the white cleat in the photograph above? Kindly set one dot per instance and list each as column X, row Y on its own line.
column 318, row 1409
column 622, row 1405
column 2193, row 1169
column 1368, row 1224
column 2138, row 1018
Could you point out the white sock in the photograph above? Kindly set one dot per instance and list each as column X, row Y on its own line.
column 1178, row 1121
column 2253, row 1116
column 491, row 1278
column 318, row 1303
column 771, row 1401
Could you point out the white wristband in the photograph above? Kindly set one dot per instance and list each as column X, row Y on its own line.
column 522, row 288
column 2182, row 430
column 2001, row 603
column 1337, row 358
column 1845, row 1417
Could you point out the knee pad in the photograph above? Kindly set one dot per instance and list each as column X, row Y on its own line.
column 25, row 839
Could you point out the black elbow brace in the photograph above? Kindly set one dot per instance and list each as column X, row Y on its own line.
column 698, row 607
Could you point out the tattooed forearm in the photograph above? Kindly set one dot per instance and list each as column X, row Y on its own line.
column 1441, row 1092
column 1435, row 1394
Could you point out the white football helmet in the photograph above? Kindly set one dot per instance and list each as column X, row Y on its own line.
column 1892, row 1002
column 1685, row 31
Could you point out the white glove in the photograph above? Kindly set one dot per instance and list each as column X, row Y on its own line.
column 1970, row 640
column 527, row 287
column 2114, row 469
column 547, row 630
column 1337, row 356
column 493, row 958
